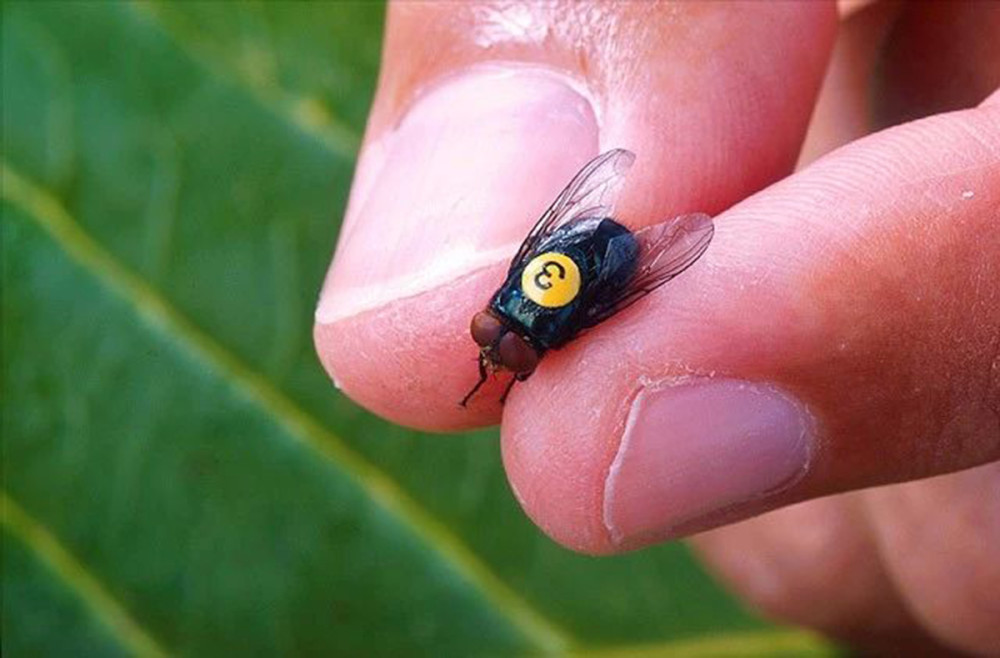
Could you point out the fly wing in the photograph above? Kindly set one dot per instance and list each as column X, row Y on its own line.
column 591, row 193
column 665, row 250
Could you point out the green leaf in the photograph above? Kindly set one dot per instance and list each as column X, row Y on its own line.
column 179, row 475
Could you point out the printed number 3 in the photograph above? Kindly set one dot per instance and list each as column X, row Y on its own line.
column 542, row 278
column 551, row 280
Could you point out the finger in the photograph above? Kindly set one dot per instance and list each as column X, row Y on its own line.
column 940, row 539
column 844, row 108
column 485, row 110
column 894, row 62
column 937, row 57
column 841, row 332
column 880, row 569
column 858, row 566
column 815, row 564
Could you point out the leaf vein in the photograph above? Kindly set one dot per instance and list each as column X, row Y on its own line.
column 105, row 606
column 45, row 209
column 746, row 644
column 297, row 110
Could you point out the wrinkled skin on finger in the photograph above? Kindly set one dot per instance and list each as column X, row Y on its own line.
column 918, row 559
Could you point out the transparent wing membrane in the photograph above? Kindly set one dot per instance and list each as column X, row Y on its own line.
column 591, row 193
column 665, row 250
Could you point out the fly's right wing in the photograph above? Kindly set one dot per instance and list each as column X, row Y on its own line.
column 665, row 251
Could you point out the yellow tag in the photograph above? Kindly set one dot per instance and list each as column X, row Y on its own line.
column 551, row 280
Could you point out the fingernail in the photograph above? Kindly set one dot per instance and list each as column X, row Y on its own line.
column 457, row 184
column 693, row 448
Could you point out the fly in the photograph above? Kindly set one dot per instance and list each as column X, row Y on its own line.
column 577, row 268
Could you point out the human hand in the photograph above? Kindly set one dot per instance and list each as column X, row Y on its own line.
column 840, row 333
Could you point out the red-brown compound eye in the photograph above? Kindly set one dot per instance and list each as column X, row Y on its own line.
column 485, row 328
column 516, row 355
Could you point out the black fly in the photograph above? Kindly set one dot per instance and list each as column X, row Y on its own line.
column 577, row 268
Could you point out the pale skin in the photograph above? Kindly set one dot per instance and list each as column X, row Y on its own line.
column 864, row 285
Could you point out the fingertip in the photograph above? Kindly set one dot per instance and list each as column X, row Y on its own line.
column 559, row 438
column 411, row 360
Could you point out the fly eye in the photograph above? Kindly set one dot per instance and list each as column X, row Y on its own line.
column 516, row 355
column 485, row 328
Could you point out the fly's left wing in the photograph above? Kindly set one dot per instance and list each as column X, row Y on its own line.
column 591, row 193
column 665, row 250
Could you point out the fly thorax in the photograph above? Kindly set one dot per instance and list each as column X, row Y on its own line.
column 551, row 280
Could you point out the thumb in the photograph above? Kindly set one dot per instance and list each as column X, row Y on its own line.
column 842, row 331
column 485, row 110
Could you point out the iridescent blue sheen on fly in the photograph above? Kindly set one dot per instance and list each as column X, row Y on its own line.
column 606, row 254
column 576, row 268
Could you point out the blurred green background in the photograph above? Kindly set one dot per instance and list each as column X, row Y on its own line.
column 179, row 476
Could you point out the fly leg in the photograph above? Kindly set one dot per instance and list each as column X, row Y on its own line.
column 482, row 380
column 518, row 377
